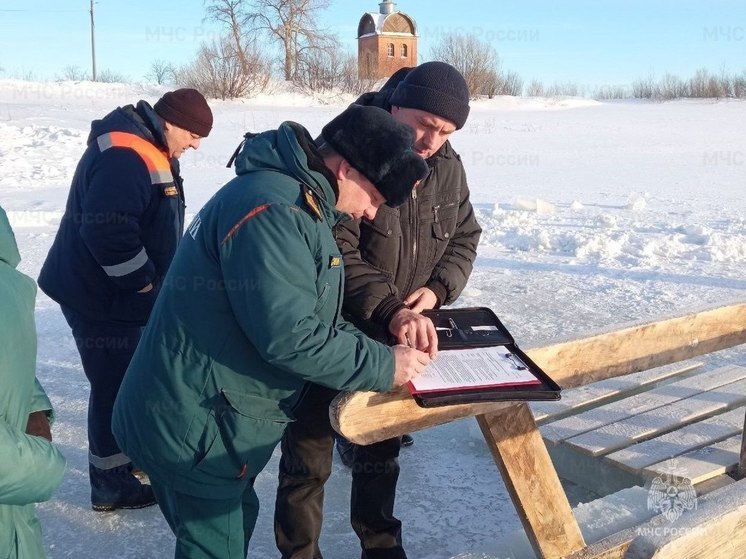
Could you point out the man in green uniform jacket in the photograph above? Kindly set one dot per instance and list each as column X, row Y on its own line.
column 31, row 467
column 249, row 314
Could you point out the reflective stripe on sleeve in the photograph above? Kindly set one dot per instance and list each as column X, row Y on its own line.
column 118, row 270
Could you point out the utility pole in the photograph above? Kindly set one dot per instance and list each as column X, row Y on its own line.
column 93, row 44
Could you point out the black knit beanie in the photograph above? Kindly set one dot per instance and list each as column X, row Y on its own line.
column 379, row 147
column 187, row 109
column 435, row 87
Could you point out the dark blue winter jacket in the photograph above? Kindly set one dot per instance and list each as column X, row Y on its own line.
column 123, row 220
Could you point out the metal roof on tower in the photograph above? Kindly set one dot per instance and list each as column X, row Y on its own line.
column 387, row 21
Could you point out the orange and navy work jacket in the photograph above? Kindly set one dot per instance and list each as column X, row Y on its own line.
column 123, row 220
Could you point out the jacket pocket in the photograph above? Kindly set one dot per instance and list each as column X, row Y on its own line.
column 445, row 217
column 239, row 436
column 133, row 308
column 323, row 296
column 380, row 238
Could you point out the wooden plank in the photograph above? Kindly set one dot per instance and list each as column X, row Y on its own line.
column 717, row 528
column 702, row 464
column 532, row 481
column 660, row 420
column 614, row 412
column 582, row 398
column 367, row 417
column 679, row 443
column 742, row 463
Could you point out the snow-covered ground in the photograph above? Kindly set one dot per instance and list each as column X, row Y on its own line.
column 594, row 215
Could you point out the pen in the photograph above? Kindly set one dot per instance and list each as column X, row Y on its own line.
column 409, row 340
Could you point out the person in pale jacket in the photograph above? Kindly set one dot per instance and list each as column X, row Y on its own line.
column 31, row 467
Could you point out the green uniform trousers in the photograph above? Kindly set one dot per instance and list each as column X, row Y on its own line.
column 209, row 528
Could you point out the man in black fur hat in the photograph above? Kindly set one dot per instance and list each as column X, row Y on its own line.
column 404, row 260
column 249, row 315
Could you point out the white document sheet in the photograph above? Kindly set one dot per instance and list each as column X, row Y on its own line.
column 473, row 368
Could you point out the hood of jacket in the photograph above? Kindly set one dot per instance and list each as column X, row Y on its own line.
column 8, row 247
column 290, row 150
column 141, row 120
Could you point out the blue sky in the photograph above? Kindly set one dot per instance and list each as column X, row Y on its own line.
column 593, row 43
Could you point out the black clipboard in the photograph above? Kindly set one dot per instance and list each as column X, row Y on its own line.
column 467, row 334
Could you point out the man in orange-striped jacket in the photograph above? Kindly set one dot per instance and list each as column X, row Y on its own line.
column 123, row 220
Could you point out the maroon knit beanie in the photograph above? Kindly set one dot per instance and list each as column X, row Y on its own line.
column 187, row 109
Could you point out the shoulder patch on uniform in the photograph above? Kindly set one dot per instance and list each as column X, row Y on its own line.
column 312, row 202
column 335, row 261
column 170, row 191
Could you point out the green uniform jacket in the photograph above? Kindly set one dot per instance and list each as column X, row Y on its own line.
column 31, row 468
column 249, row 313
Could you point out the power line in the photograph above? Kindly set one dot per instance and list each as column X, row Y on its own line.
column 41, row 11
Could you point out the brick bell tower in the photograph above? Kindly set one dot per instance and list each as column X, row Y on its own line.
column 386, row 41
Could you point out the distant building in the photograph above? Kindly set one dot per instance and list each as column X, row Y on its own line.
column 386, row 41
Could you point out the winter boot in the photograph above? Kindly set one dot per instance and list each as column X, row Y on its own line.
column 346, row 451
column 117, row 488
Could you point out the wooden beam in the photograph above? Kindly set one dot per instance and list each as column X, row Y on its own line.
column 367, row 417
column 637, row 348
column 741, row 472
column 531, row 480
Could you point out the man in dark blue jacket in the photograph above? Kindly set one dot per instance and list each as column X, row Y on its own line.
column 123, row 220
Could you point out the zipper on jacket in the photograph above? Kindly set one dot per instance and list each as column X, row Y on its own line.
column 414, row 228
column 340, row 291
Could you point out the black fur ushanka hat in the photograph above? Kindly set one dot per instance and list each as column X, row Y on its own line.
column 379, row 147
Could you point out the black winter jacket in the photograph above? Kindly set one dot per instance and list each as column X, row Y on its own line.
column 123, row 220
column 429, row 241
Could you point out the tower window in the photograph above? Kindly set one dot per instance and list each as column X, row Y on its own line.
column 403, row 51
column 390, row 49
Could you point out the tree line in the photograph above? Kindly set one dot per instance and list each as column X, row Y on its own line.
column 238, row 63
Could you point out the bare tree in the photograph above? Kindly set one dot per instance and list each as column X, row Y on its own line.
column 329, row 69
column 672, row 87
column 645, row 88
column 220, row 71
column 476, row 60
column 560, row 89
column 161, row 72
column 510, row 84
column 535, row 89
column 290, row 23
column 233, row 14
column 739, row 85
column 611, row 92
column 320, row 70
column 74, row 73
column 111, row 76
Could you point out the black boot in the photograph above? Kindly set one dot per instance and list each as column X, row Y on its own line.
column 346, row 451
column 117, row 488
column 407, row 440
